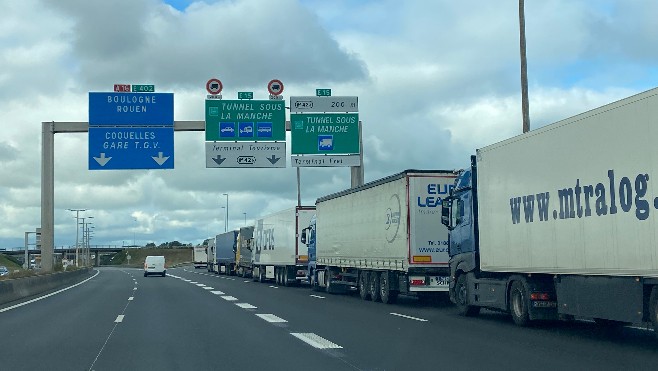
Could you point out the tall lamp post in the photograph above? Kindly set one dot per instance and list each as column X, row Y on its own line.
column 226, row 225
column 224, row 207
column 83, row 239
column 77, row 229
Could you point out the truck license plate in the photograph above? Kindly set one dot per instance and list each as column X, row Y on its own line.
column 440, row 281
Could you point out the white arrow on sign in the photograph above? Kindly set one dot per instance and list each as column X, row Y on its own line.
column 102, row 160
column 160, row 160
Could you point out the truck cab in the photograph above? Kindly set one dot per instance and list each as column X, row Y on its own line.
column 458, row 214
column 308, row 239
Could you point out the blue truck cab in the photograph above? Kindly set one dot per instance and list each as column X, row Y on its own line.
column 308, row 238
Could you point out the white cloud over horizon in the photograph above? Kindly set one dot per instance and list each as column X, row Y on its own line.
column 435, row 81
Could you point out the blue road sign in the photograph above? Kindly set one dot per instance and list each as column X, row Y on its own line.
column 227, row 129
column 131, row 109
column 131, row 148
column 246, row 129
column 264, row 129
column 325, row 143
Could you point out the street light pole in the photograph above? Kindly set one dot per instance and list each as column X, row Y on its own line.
column 245, row 219
column 77, row 229
column 226, row 225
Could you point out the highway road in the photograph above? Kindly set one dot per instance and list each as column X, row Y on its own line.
column 193, row 320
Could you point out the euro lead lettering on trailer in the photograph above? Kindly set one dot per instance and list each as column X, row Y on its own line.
column 586, row 200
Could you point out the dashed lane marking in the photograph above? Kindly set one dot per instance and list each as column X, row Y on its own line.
column 229, row 298
column 208, row 288
column 409, row 317
column 317, row 296
column 218, row 292
column 271, row 318
column 131, row 298
column 119, row 318
column 315, row 341
column 245, row 305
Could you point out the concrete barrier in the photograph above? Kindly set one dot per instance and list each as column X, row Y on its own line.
column 19, row 288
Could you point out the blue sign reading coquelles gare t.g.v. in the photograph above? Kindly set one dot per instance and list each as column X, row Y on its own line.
column 131, row 109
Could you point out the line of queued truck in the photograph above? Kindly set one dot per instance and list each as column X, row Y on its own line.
column 383, row 238
column 556, row 223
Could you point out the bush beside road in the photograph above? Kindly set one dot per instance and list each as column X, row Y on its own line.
column 173, row 257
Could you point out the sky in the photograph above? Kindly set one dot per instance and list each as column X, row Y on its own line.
column 435, row 81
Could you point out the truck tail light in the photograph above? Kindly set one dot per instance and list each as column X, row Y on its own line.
column 543, row 296
column 417, row 282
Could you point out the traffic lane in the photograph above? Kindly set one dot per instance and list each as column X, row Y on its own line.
column 177, row 325
column 76, row 322
column 369, row 340
column 558, row 344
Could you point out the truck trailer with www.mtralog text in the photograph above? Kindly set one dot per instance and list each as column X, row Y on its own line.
column 560, row 222
column 383, row 238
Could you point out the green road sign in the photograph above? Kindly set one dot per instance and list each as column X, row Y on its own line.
column 329, row 133
column 143, row 88
column 323, row 92
column 245, row 95
column 245, row 120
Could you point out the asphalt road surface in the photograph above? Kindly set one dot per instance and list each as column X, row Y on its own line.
column 194, row 320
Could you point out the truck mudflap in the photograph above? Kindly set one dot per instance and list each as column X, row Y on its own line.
column 434, row 283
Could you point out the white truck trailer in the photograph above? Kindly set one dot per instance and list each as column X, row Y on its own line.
column 211, row 255
column 243, row 260
column 384, row 238
column 277, row 252
column 200, row 257
column 560, row 222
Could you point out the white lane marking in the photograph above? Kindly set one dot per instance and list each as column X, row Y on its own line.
column 200, row 285
column 218, row 292
column 315, row 341
column 245, row 305
column 232, row 279
column 131, row 298
column 409, row 317
column 119, row 318
column 274, row 287
column 45, row 296
column 271, row 318
column 208, row 288
column 247, row 281
column 229, row 298
column 134, row 288
column 193, row 282
column 317, row 296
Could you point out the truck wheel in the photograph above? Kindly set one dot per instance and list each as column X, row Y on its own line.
column 314, row 280
column 519, row 304
column 653, row 309
column 388, row 296
column 286, row 280
column 363, row 286
column 374, row 286
column 461, row 298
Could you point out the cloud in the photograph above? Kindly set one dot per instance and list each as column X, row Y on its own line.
column 435, row 81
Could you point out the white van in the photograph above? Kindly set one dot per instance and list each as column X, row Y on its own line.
column 155, row 265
